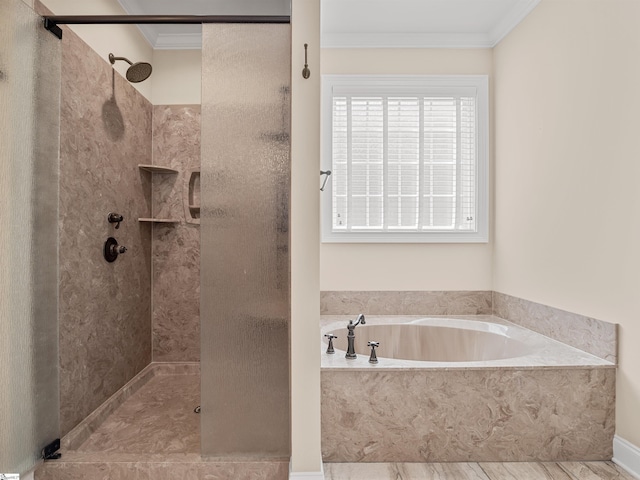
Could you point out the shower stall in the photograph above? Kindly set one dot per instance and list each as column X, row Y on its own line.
column 122, row 412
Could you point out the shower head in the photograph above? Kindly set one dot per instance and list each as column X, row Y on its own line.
column 137, row 72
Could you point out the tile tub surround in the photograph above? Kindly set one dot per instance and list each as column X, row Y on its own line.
column 506, row 410
column 594, row 336
column 406, row 303
column 105, row 308
column 176, row 247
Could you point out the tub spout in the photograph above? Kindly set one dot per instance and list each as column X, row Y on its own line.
column 351, row 336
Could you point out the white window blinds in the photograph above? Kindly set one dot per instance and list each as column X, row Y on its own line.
column 404, row 159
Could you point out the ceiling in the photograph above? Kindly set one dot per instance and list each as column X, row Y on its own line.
column 355, row 23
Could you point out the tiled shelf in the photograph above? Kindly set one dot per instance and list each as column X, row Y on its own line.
column 156, row 169
column 159, row 220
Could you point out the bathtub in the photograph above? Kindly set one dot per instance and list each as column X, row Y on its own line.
column 436, row 340
column 464, row 389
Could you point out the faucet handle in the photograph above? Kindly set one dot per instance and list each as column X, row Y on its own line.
column 373, row 358
column 330, row 347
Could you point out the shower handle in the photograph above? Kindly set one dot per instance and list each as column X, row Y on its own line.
column 115, row 218
column 111, row 249
column 118, row 249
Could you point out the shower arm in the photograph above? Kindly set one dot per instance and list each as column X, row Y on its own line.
column 51, row 22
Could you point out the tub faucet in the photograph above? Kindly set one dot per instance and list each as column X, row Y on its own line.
column 351, row 336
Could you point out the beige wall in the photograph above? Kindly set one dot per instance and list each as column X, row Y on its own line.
column 177, row 77
column 566, row 171
column 406, row 266
column 121, row 40
column 305, row 240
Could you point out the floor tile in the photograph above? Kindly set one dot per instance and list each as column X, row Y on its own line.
column 525, row 471
column 441, row 471
column 596, row 471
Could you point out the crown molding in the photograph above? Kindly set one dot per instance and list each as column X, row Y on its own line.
column 489, row 39
column 405, row 40
column 511, row 20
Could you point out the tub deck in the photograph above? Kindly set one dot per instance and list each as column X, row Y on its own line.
column 547, row 353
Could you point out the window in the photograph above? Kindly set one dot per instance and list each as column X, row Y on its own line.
column 408, row 156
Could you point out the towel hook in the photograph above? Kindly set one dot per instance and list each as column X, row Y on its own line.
column 306, row 73
column 327, row 173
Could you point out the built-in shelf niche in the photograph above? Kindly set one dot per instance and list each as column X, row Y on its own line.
column 192, row 196
column 161, row 170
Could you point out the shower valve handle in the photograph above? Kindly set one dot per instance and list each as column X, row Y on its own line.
column 115, row 218
column 330, row 349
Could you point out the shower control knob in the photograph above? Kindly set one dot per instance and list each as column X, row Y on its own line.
column 112, row 249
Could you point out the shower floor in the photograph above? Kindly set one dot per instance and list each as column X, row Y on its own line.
column 149, row 430
column 158, row 418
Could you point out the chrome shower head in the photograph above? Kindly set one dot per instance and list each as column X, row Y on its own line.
column 137, row 72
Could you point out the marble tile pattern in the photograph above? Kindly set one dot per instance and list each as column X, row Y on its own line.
column 105, row 308
column 459, row 415
column 406, row 303
column 153, row 433
column 476, row 471
column 81, row 432
column 159, row 417
column 589, row 334
column 176, row 247
column 163, row 470
column 76, row 437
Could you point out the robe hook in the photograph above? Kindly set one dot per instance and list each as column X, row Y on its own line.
column 306, row 73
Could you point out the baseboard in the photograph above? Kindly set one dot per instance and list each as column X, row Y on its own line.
column 306, row 475
column 626, row 455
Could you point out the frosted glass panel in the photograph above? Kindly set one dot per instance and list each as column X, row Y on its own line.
column 245, row 240
column 29, row 130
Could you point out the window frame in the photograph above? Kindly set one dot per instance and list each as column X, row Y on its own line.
column 418, row 82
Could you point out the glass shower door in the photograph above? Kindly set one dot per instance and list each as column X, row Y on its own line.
column 245, row 280
column 29, row 146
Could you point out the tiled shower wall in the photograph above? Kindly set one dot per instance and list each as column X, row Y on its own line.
column 176, row 246
column 105, row 314
column 111, row 314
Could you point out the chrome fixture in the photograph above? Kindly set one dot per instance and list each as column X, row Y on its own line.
column 351, row 336
column 112, row 249
column 137, row 72
column 115, row 218
column 372, row 357
column 330, row 349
